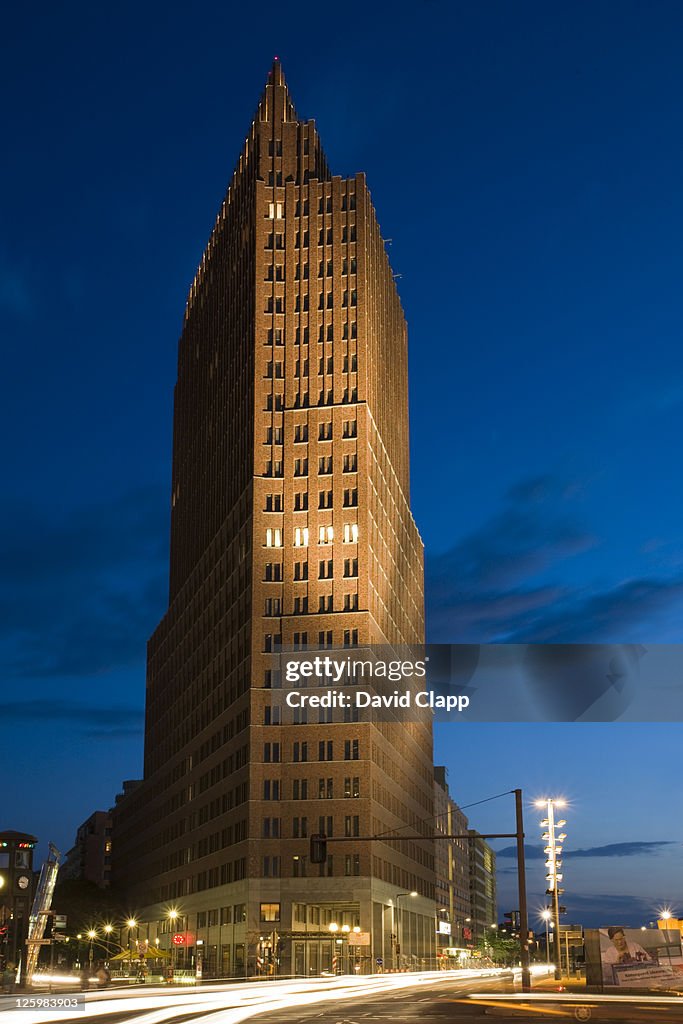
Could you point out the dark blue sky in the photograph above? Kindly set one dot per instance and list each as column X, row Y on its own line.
column 526, row 162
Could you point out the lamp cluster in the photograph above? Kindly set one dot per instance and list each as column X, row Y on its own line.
column 554, row 837
column 554, row 847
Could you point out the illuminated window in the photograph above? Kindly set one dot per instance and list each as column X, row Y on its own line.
column 270, row 912
column 325, row 534
column 351, row 787
column 301, row 537
column 350, row 533
column 273, row 538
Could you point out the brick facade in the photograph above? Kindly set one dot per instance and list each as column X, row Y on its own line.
column 291, row 524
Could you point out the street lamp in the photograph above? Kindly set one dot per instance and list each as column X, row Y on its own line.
column 398, row 924
column 172, row 916
column 107, row 929
column 546, row 915
column 92, row 935
column 333, row 927
column 131, row 923
column 553, row 864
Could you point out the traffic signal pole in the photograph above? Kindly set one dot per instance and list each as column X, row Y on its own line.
column 521, row 885
column 318, row 855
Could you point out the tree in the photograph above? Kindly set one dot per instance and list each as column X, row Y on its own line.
column 501, row 950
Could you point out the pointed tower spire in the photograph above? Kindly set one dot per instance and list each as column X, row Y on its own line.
column 276, row 103
column 277, row 76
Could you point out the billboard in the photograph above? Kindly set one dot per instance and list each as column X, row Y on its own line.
column 640, row 958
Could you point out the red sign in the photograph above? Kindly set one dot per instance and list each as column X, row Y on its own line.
column 179, row 939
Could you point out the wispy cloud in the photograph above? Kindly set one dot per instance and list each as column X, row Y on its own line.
column 633, row 849
column 495, row 585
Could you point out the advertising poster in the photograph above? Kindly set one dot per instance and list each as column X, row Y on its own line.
column 636, row 958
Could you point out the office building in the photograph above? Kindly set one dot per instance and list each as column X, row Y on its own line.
column 290, row 526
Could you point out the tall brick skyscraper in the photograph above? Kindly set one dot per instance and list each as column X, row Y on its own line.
column 291, row 525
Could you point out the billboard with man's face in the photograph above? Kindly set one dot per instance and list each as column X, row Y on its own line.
column 640, row 958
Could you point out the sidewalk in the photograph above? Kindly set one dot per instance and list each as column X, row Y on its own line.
column 549, row 984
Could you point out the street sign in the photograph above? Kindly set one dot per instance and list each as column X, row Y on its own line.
column 379, row 961
column 59, row 921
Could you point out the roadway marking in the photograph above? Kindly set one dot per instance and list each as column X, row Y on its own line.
column 519, row 1007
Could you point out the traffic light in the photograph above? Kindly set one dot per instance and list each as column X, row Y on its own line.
column 318, row 851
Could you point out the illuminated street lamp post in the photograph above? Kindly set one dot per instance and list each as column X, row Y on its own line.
column 173, row 916
column 336, row 960
column 553, row 852
column 131, row 923
column 108, row 929
column 666, row 915
column 399, row 952
column 546, row 915
column 92, row 935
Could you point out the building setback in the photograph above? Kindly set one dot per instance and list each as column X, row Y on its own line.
column 290, row 525
column 452, row 863
column 483, row 894
column 89, row 859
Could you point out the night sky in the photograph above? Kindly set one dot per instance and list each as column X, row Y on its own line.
column 525, row 160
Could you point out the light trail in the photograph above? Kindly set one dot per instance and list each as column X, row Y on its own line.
column 234, row 1003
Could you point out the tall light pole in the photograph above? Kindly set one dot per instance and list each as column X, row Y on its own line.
column 399, row 952
column 553, row 864
column 172, row 919
column 108, row 929
column 337, row 955
column 666, row 915
column 92, row 935
column 547, row 914
column 131, row 923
